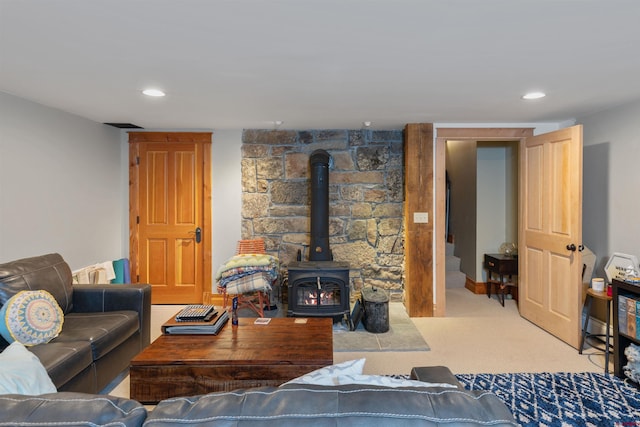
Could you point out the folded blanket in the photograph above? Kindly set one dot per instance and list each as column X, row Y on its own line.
column 243, row 271
column 248, row 260
column 237, row 273
column 250, row 283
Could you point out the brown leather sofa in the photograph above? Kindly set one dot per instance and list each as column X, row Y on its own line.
column 104, row 327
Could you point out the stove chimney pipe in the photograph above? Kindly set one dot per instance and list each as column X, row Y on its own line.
column 319, row 249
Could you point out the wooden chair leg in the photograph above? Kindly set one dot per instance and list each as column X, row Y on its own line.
column 260, row 310
column 225, row 296
column 247, row 301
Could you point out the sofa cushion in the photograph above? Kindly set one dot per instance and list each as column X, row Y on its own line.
column 64, row 360
column 22, row 373
column 47, row 272
column 344, row 406
column 104, row 330
column 70, row 409
column 31, row 317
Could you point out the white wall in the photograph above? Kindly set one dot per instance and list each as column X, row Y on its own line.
column 491, row 203
column 226, row 194
column 512, row 187
column 611, row 192
column 461, row 158
column 59, row 185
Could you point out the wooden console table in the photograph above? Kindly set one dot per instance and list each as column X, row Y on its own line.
column 501, row 265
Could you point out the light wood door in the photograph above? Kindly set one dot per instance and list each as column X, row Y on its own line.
column 550, row 284
column 170, row 244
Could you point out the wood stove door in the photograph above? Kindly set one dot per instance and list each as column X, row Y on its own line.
column 318, row 295
column 309, row 294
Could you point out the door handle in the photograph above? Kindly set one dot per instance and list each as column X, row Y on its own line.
column 573, row 248
column 198, row 235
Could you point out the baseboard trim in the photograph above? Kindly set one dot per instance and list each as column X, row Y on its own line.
column 475, row 287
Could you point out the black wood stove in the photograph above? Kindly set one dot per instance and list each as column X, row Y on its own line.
column 320, row 286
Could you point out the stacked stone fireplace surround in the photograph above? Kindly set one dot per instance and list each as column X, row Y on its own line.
column 365, row 196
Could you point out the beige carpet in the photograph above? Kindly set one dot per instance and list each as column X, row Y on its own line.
column 477, row 335
column 401, row 336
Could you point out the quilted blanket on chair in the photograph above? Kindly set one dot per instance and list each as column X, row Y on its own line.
column 238, row 271
column 253, row 282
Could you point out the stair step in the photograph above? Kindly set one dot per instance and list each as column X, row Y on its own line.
column 449, row 247
column 455, row 279
column 452, row 263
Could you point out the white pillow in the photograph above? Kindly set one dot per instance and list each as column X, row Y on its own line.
column 22, row 373
column 328, row 374
column 384, row 381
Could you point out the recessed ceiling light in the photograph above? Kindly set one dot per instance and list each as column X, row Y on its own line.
column 153, row 92
column 366, row 124
column 534, row 95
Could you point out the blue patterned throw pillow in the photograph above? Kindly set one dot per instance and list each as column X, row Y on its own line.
column 31, row 318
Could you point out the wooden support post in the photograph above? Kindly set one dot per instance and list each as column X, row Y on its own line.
column 418, row 245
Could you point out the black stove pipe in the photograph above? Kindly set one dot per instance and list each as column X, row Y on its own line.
column 319, row 216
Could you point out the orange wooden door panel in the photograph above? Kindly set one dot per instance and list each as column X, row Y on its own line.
column 170, row 208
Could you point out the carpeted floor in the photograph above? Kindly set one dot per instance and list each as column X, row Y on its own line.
column 562, row 399
column 402, row 335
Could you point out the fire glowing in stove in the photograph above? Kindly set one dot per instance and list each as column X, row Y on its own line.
column 318, row 297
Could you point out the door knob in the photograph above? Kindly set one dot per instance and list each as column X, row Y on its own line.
column 571, row 247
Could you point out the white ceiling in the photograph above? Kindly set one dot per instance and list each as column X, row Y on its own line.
column 321, row 63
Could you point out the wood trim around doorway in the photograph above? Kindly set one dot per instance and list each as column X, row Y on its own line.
column 442, row 135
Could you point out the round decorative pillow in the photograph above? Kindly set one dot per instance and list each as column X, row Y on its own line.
column 31, row 317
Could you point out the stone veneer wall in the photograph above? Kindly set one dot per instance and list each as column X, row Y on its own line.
column 365, row 196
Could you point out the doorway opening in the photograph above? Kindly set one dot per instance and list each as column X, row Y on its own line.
column 477, row 136
column 482, row 207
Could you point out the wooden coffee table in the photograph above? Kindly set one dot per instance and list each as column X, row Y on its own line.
column 242, row 356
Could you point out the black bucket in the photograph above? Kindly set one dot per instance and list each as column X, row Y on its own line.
column 375, row 303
